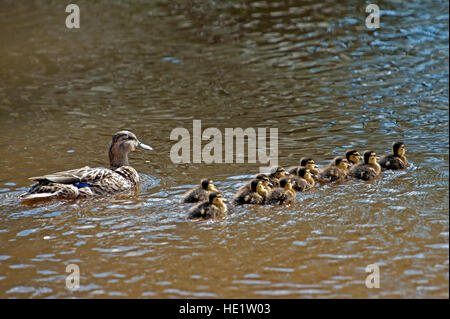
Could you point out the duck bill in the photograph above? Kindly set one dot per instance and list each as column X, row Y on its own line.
column 142, row 146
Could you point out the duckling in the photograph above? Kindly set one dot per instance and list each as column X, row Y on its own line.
column 368, row 170
column 277, row 173
column 336, row 171
column 87, row 181
column 284, row 194
column 214, row 207
column 257, row 193
column 396, row 160
column 200, row 193
column 352, row 157
column 307, row 163
column 302, row 179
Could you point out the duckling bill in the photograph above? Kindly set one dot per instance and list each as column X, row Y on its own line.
column 87, row 181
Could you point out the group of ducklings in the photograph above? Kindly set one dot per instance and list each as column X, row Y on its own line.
column 281, row 186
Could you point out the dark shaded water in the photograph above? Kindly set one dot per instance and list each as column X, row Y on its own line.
column 310, row 69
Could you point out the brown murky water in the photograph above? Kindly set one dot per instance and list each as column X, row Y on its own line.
column 310, row 69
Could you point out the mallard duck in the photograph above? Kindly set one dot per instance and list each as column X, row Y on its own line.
column 336, row 171
column 257, row 193
column 212, row 208
column 284, row 194
column 396, row 160
column 352, row 157
column 276, row 174
column 87, row 181
column 301, row 179
column 200, row 193
column 368, row 170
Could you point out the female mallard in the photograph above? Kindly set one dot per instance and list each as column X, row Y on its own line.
column 256, row 194
column 284, row 194
column 276, row 174
column 212, row 208
column 200, row 193
column 336, row 171
column 396, row 160
column 87, row 181
column 368, row 170
column 352, row 157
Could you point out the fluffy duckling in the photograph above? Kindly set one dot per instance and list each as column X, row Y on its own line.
column 352, row 157
column 396, row 160
column 200, row 193
column 307, row 163
column 368, row 170
column 302, row 179
column 284, row 194
column 277, row 173
column 336, row 171
column 213, row 207
column 256, row 194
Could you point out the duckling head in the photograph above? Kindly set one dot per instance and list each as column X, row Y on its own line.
column 217, row 200
column 353, row 156
column 341, row 162
column 122, row 143
column 278, row 172
column 370, row 157
column 208, row 185
column 309, row 164
column 398, row 148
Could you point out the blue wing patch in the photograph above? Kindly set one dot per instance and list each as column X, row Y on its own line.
column 81, row 185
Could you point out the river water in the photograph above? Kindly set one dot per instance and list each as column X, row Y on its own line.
column 310, row 69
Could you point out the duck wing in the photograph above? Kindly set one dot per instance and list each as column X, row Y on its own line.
column 84, row 174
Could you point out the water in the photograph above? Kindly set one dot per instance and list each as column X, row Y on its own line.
column 310, row 69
